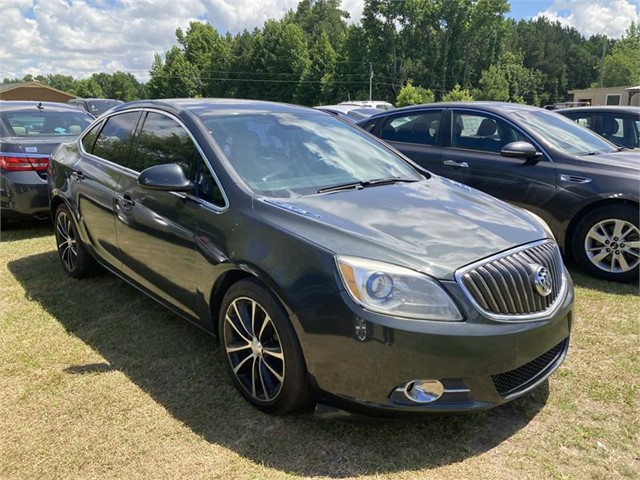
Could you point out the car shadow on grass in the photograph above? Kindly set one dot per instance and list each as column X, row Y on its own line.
column 26, row 229
column 182, row 369
column 584, row 280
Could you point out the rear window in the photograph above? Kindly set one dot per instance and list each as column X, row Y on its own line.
column 42, row 123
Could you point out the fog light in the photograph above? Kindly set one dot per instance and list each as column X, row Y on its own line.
column 419, row 391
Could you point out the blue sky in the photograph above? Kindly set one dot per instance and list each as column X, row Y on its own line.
column 524, row 9
column 80, row 37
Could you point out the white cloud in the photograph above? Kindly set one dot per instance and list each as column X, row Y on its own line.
column 80, row 37
column 590, row 17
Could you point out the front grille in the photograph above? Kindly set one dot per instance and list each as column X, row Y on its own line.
column 504, row 285
column 514, row 381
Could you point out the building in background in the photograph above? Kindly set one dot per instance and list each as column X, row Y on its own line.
column 33, row 91
column 608, row 96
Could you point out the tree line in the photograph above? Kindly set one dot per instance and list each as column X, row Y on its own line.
column 409, row 51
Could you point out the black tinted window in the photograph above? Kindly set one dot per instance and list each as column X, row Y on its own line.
column 164, row 140
column 90, row 137
column 619, row 129
column 114, row 141
column 413, row 128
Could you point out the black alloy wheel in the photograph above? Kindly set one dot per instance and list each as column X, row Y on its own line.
column 263, row 354
column 76, row 261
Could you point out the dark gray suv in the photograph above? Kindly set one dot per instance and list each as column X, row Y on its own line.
column 583, row 186
column 330, row 267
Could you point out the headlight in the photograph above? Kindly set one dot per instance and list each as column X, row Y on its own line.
column 397, row 291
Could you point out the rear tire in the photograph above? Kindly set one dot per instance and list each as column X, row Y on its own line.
column 262, row 351
column 606, row 243
column 77, row 262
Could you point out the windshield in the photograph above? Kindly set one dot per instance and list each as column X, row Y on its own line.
column 564, row 134
column 287, row 155
column 43, row 123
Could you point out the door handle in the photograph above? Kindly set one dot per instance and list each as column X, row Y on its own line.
column 453, row 163
column 126, row 201
column 574, row 179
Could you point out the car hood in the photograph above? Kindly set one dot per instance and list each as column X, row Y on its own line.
column 434, row 226
column 627, row 161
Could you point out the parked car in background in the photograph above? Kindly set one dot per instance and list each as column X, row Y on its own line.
column 619, row 125
column 583, row 186
column 379, row 104
column 29, row 132
column 351, row 113
column 95, row 106
column 329, row 266
column 563, row 105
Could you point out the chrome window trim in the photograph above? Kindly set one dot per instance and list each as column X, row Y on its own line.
column 549, row 312
column 206, row 203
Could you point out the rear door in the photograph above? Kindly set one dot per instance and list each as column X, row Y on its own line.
column 95, row 178
column 156, row 230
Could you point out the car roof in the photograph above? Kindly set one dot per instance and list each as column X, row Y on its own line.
column 341, row 108
column 215, row 106
column 493, row 107
column 603, row 108
column 14, row 105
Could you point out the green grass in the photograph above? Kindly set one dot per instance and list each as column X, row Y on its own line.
column 98, row 381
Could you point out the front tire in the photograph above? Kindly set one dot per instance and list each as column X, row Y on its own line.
column 76, row 261
column 606, row 243
column 263, row 355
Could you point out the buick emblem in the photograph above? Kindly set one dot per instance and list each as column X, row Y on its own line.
column 542, row 280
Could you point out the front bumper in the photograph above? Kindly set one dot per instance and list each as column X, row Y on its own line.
column 23, row 194
column 357, row 358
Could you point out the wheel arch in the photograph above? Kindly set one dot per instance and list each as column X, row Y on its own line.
column 55, row 202
column 232, row 276
column 586, row 209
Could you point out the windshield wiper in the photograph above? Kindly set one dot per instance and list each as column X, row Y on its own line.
column 365, row 184
column 341, row 186
column 387, row 181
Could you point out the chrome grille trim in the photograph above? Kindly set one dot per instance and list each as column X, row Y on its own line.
column 500, row 287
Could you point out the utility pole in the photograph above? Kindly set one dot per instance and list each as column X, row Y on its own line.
column 604, row 53
column 370, row 79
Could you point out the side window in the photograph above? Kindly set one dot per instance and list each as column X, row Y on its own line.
column 114, row 141
column 476, row 131
column 90, row 137
column 611, row 128
column 164, row 140
column 584, row 119
column 619, row 129
column 369, row 126
column 419, row 128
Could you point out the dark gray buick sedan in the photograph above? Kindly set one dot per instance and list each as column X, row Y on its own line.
column 331, row 268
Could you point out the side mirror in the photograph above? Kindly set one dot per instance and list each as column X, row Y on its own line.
column 522, row 150
column 168, row 177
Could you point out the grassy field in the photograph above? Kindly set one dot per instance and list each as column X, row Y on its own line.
column 98, row 381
